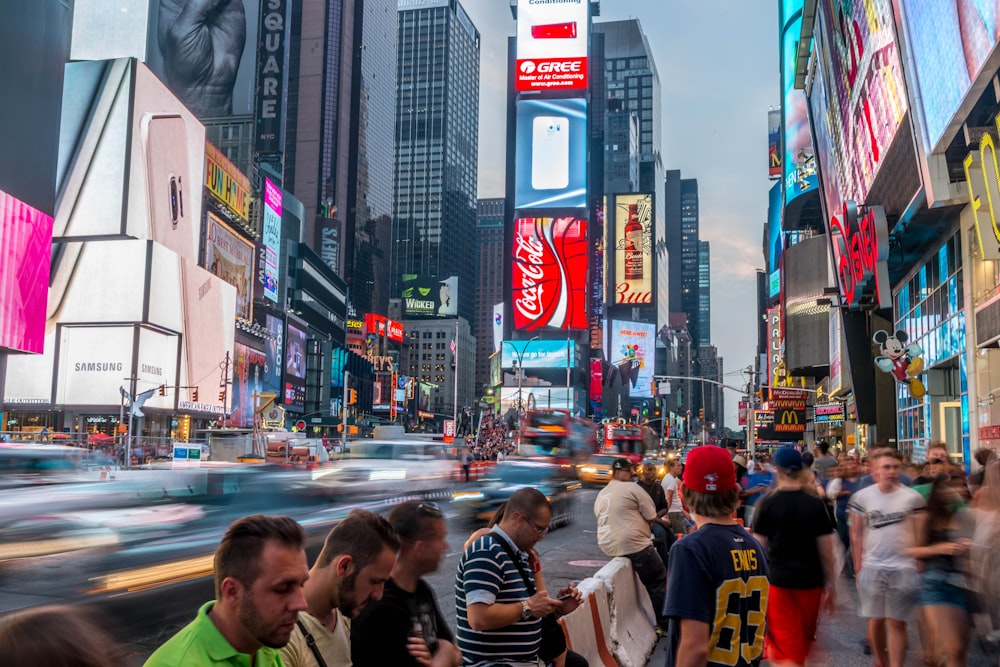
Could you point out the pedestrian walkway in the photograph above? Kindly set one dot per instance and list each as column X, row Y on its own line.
column 840, row 638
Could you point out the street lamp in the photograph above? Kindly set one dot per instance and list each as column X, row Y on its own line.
column 519, row 368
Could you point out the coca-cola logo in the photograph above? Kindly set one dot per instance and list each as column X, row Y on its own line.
column 529, row 256
column 549, row 273
column 861, row 251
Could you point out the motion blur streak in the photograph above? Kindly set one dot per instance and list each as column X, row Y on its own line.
column 54, row 546
column 156, row 575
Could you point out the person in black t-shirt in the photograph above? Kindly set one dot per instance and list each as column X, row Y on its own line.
column 406, row 627
column 795, row 528
column 663, row 533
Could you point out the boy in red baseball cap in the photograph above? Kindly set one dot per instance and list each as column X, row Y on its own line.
column 717, row 586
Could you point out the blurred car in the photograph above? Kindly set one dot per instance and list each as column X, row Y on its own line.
column 557, row 481
column 596, row 469
column 659, row 464
column 376, row 468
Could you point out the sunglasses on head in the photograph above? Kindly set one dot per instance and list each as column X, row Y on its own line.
column 431, row 509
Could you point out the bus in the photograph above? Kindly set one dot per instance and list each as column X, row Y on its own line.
column 557, row 433
column 631, row 440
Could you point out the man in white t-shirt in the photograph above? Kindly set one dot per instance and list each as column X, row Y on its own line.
column 625, row 513
column 671, row 486
column 882, row 532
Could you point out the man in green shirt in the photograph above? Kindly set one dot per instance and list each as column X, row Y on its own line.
column 260, row 569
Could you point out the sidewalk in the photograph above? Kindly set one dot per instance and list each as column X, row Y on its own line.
column 839, row 642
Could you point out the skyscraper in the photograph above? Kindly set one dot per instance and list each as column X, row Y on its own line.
column 704, row 295
column 437, row 134
column 683, row 247
column 489, row 289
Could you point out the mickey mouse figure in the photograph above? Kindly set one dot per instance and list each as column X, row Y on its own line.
column 901, row 360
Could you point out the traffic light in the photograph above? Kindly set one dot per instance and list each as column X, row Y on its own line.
column 194, row 395
column 645, row 408
column 163, row 390
column 701, row 413
column 352, row 396
column 222, row 397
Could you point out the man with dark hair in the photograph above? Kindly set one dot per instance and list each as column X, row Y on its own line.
column 405, row 627
column 498, row 609
column 351, row 571
column 260, row 571
column 824, row 462
column 717, row 593
column 625, row 514
column 663, row 533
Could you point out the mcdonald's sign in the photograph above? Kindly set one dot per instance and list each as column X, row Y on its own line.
column 789, row 421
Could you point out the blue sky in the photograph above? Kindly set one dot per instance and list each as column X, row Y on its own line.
column 719, row 74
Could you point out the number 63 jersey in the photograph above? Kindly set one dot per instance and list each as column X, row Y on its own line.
column 718, row 575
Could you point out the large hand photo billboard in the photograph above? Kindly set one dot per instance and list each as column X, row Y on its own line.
column 634, row 249
column 551, row 154
column 633, row 352
column 549, row 273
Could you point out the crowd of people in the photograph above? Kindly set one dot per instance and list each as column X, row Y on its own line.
column 491, row 442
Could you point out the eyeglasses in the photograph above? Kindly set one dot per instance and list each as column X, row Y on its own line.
column 541, row 530
column 431, row 509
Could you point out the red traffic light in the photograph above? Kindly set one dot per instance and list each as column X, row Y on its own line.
column 301, row 425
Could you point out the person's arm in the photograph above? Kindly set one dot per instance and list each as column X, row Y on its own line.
column 858, row 524
column 825, row 545
column 692, row 649
column 380, row 635
column 446, row 655
column 484, row 616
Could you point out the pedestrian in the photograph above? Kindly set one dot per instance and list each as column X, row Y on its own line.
column 405, row 627
column 57, row 636
column 882, row 535
column 753, row 487
column 796, row 531
column 467, row 458
column 260, row 570
column 663, row 533
column 839, row 490
column 671, row 487
column 499, row 610
column 349, row 574
column 944, row 537
column 624, row 516
column 983, row 455
column 985, row 553
column 824, row 461
column 717, row 594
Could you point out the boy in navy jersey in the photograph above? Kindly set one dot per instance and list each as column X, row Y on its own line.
column 717, row 586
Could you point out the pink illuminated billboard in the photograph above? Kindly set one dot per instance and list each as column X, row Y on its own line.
column 25, row 253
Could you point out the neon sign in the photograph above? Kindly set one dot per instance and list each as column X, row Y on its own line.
column 984, row 183
column 861, row 248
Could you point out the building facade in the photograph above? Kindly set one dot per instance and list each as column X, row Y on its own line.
column 433, row 354
column 489, row 290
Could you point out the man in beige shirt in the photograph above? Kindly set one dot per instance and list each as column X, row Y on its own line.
column 624, row 515
column 351, row 570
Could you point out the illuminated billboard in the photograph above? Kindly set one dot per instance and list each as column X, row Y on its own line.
column 865, row 89
column 274, row 354
column 549, row 273
column 774, row 144
column 295, row 367
column 271, row 238
column 537, row 353
column 552, row 41
column 551, row 154
column 429, row 296
column 227, row 183
column 230, row 256
column 798, row 164
column 633, row 352
column 25, row 251
column 949, row 42
column 634, row 249
column 497, row 326
column 381, row 326
column 775, row 240
column 248, row 379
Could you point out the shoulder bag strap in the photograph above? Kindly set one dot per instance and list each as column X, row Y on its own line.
column 311, row 642
column 528, row 581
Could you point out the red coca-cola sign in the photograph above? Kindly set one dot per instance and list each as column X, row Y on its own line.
column 549, row 273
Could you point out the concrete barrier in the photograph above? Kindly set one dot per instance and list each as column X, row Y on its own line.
column 587, row 629
column 632, row 631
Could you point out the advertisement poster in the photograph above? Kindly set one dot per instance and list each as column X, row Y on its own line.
column 798, row 163
column 775, row 240
column 429, row 296
column 552, row 41
column 549, row 273
column 864, row 88
column 230, row 256
column 538, row 353
column 551, row 153
column 93, row 364
column 497, row 326
column 950, row 42
column 25, row 252
column 633, row 352
column 381, row 326
column 248, row 383
column 274, row 354
column 634, row 249
column 295, row 367
column 774, row 144
column 271, row 239
column 173, row 52
column 596, row 386
column 227, row 183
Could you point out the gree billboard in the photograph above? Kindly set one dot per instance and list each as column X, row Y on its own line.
column 633, row 249
column 552, row 40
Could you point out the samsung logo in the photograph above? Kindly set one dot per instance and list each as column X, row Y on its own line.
column 97, row 367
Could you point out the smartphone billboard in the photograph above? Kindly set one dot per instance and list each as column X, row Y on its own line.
column 551, row 154
column 552, row 40
column 549, row 273
column 634, row 249
column 25, row 251
column 295, row 367
column 633, row 351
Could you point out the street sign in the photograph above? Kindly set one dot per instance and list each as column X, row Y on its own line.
column 449, row 430
column 301, row 425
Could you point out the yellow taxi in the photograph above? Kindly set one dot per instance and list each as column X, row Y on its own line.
column 596, row 469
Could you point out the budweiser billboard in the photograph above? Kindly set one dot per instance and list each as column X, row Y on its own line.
column 634, row 249
column 549, row 273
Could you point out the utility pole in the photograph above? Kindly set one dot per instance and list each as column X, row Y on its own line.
column 343, row 417
column 569, row 390
column 131, row 412
column 225, row 389
column 455, row 397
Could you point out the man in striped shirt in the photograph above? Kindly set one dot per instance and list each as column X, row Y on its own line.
column 499, row 618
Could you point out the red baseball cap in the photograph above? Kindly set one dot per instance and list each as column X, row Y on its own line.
column 709, row 469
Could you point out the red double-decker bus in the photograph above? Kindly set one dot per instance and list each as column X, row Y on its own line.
column 631, row 440
column 557, row 433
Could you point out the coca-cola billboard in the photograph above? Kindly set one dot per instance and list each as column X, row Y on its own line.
column 549, row 273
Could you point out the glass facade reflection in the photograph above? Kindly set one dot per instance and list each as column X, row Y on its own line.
column 930, row 309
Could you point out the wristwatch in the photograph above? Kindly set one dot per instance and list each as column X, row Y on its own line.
column 525, row 610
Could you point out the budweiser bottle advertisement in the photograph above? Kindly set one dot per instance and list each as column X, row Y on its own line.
column 634, row 268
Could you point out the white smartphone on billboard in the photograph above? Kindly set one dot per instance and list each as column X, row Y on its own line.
column 550, row 153
column 170, row 195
